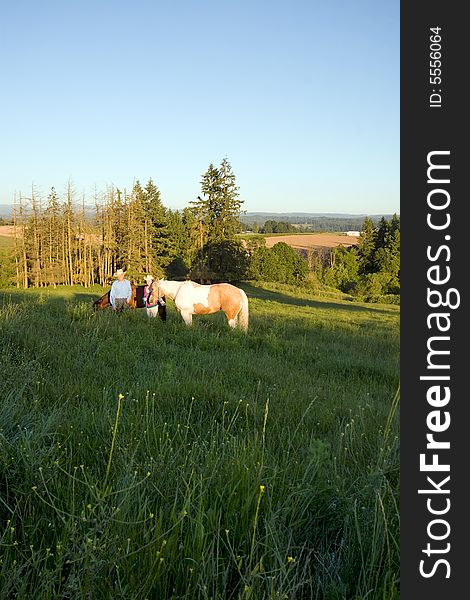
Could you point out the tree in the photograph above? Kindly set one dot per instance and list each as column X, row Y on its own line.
column 216, row 213
column 387, row 257
column 157, row 232
column 279, row 263
column 296, row 267
column 265, row 265
column 219, row 209
column 272, row 226
column 231, row 204
column 181, row 253
column 344, row 270
column 53, row 241
column 137, row 243
column 229, row 262
column 381, row 233
column 366, row 246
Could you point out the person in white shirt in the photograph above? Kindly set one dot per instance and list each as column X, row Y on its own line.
column 121, row 292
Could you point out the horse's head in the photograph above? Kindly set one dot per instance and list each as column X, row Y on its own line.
column 164, row 287
column 157, row 288
column 102, row 302
column 155, row 292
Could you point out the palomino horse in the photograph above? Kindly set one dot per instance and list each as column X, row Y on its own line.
column 136, row 301
column 194, row 299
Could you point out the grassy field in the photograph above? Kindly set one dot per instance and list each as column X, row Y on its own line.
column 7, row 261
column 142, row 459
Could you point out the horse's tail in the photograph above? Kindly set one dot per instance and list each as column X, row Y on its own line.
column 243, row 314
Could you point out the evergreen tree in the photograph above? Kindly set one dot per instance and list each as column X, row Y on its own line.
column 53, row 240
column 382, row 231
column 366, row 246
column 265, row 265
column 279, row 263
column 219, row 209
column 387, row 258
column 180, row 250
column 344, row 271
column 296, row 266
column 231, row 204
column 229, row 262
column 135, row 230
column 216, row 215
column 157, row 228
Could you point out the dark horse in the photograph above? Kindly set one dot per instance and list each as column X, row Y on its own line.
column 137, row 301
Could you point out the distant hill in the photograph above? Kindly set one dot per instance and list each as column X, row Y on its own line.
column 318, row 222
column 5, row 211
column 302, row 217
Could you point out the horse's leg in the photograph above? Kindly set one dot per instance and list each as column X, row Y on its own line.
column 232, row 315
column 187, row 317
column 233, row 322
column 162, row 310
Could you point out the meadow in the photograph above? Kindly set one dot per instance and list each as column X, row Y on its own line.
column 143, row 459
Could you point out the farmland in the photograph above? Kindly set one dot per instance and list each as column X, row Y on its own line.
column 7, row 231
column 305, row 240
column 148, row 460
column 312, row 240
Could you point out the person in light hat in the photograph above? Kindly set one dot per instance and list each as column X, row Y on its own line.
column 121, row 292
column 158, row 308
column 148, row 288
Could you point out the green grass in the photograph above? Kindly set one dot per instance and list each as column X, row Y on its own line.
column 7, row 261
column 7, row 242
column 141, row 459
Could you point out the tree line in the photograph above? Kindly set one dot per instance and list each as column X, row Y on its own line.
column 301, row 223
column 58, row 242
column 372, row 267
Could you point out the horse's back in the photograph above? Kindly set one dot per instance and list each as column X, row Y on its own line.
column 228, row 295
column 191, row 293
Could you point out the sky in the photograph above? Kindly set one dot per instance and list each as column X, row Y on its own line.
column 302, row 98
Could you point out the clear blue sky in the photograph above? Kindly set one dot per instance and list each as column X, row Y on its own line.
column 302, row 97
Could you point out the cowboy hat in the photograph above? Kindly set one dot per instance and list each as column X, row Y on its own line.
column 119, row 272
column 148, row 278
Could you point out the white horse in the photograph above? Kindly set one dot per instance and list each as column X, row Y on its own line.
column 191, row 298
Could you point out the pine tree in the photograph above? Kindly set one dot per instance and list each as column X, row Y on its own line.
column 180, row 244
column 387, row 258
column 219, row 209
column 157, row 232
column 207, row 210
column 366, row 246
column 231, row 203
column 69, row 218
column 53, row 242
column 216, row 216
column 34, row 242
column 136, row 238
column 382, row 231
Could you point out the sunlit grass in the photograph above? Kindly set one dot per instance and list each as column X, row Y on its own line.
column 142, row 459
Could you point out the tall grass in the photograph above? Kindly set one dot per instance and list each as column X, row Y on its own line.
column 141, row 459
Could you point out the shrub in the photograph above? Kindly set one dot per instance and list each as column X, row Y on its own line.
column 280, row 263
column 221, row 261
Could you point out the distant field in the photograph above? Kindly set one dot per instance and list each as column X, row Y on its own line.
column 7, row 230
column 305, row 240
column 142, row 459
column 312, row 240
